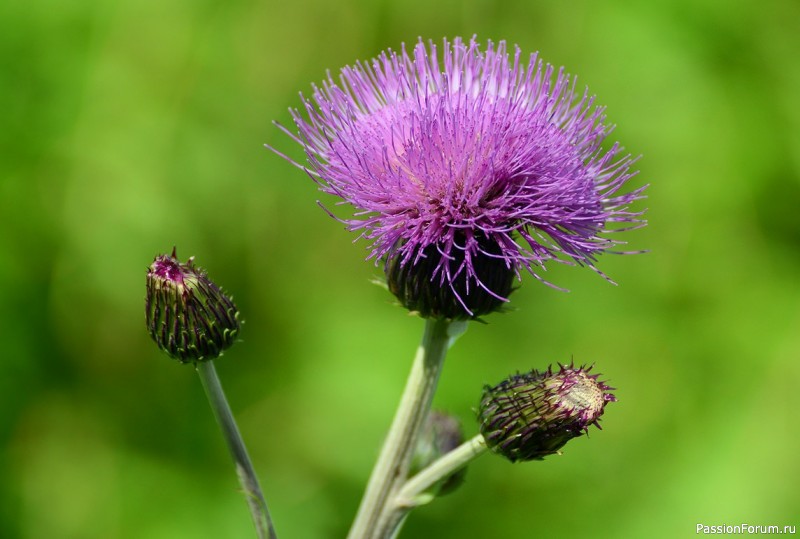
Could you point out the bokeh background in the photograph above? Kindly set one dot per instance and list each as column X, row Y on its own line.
column 129, row 127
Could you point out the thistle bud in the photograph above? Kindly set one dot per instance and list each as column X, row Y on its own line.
column 452, row 286
column 441, row 434
column 188, row 316
column 529, row 416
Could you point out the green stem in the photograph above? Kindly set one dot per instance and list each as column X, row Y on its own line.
column 244, row 468
column 412, row 493
column 391, row 469
column 441, row 468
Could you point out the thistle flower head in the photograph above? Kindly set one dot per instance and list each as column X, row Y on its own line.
column 529, row 416
column 466, row 168
column 187, row 315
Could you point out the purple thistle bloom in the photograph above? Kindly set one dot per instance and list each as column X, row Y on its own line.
column 466, row 168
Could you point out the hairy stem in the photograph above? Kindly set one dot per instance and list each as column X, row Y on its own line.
column 412, row 493
column 441, row 468
column 244, row 467
column 391, row 469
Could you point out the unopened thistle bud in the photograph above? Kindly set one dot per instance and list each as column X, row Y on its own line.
column 188, row 316
column 529, row 416
column 442, row 433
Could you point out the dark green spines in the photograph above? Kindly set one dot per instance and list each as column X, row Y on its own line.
column 529, row 416
column 187, row 315
column 419, row 286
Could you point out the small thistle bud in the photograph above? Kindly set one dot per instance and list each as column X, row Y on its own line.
column 188, row 316
column 529, row 416
column 441, row 434
column 439, row 287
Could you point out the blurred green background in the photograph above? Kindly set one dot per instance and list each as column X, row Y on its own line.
column 129, row 127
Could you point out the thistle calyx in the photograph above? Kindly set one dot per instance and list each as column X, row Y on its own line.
column 529, row 416
column 187, row 315
column 454, row 286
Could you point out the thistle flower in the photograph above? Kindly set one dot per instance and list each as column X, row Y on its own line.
column 464, row 173
column 529, row 416
column 187, row 315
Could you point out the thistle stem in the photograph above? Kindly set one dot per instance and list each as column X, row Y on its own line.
column 412, row 493
column 441, row 468
column 391, row 469
column 244, row 467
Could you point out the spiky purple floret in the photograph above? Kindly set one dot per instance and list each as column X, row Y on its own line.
column 481, row 149
column 168, row 268
column 529, row 416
